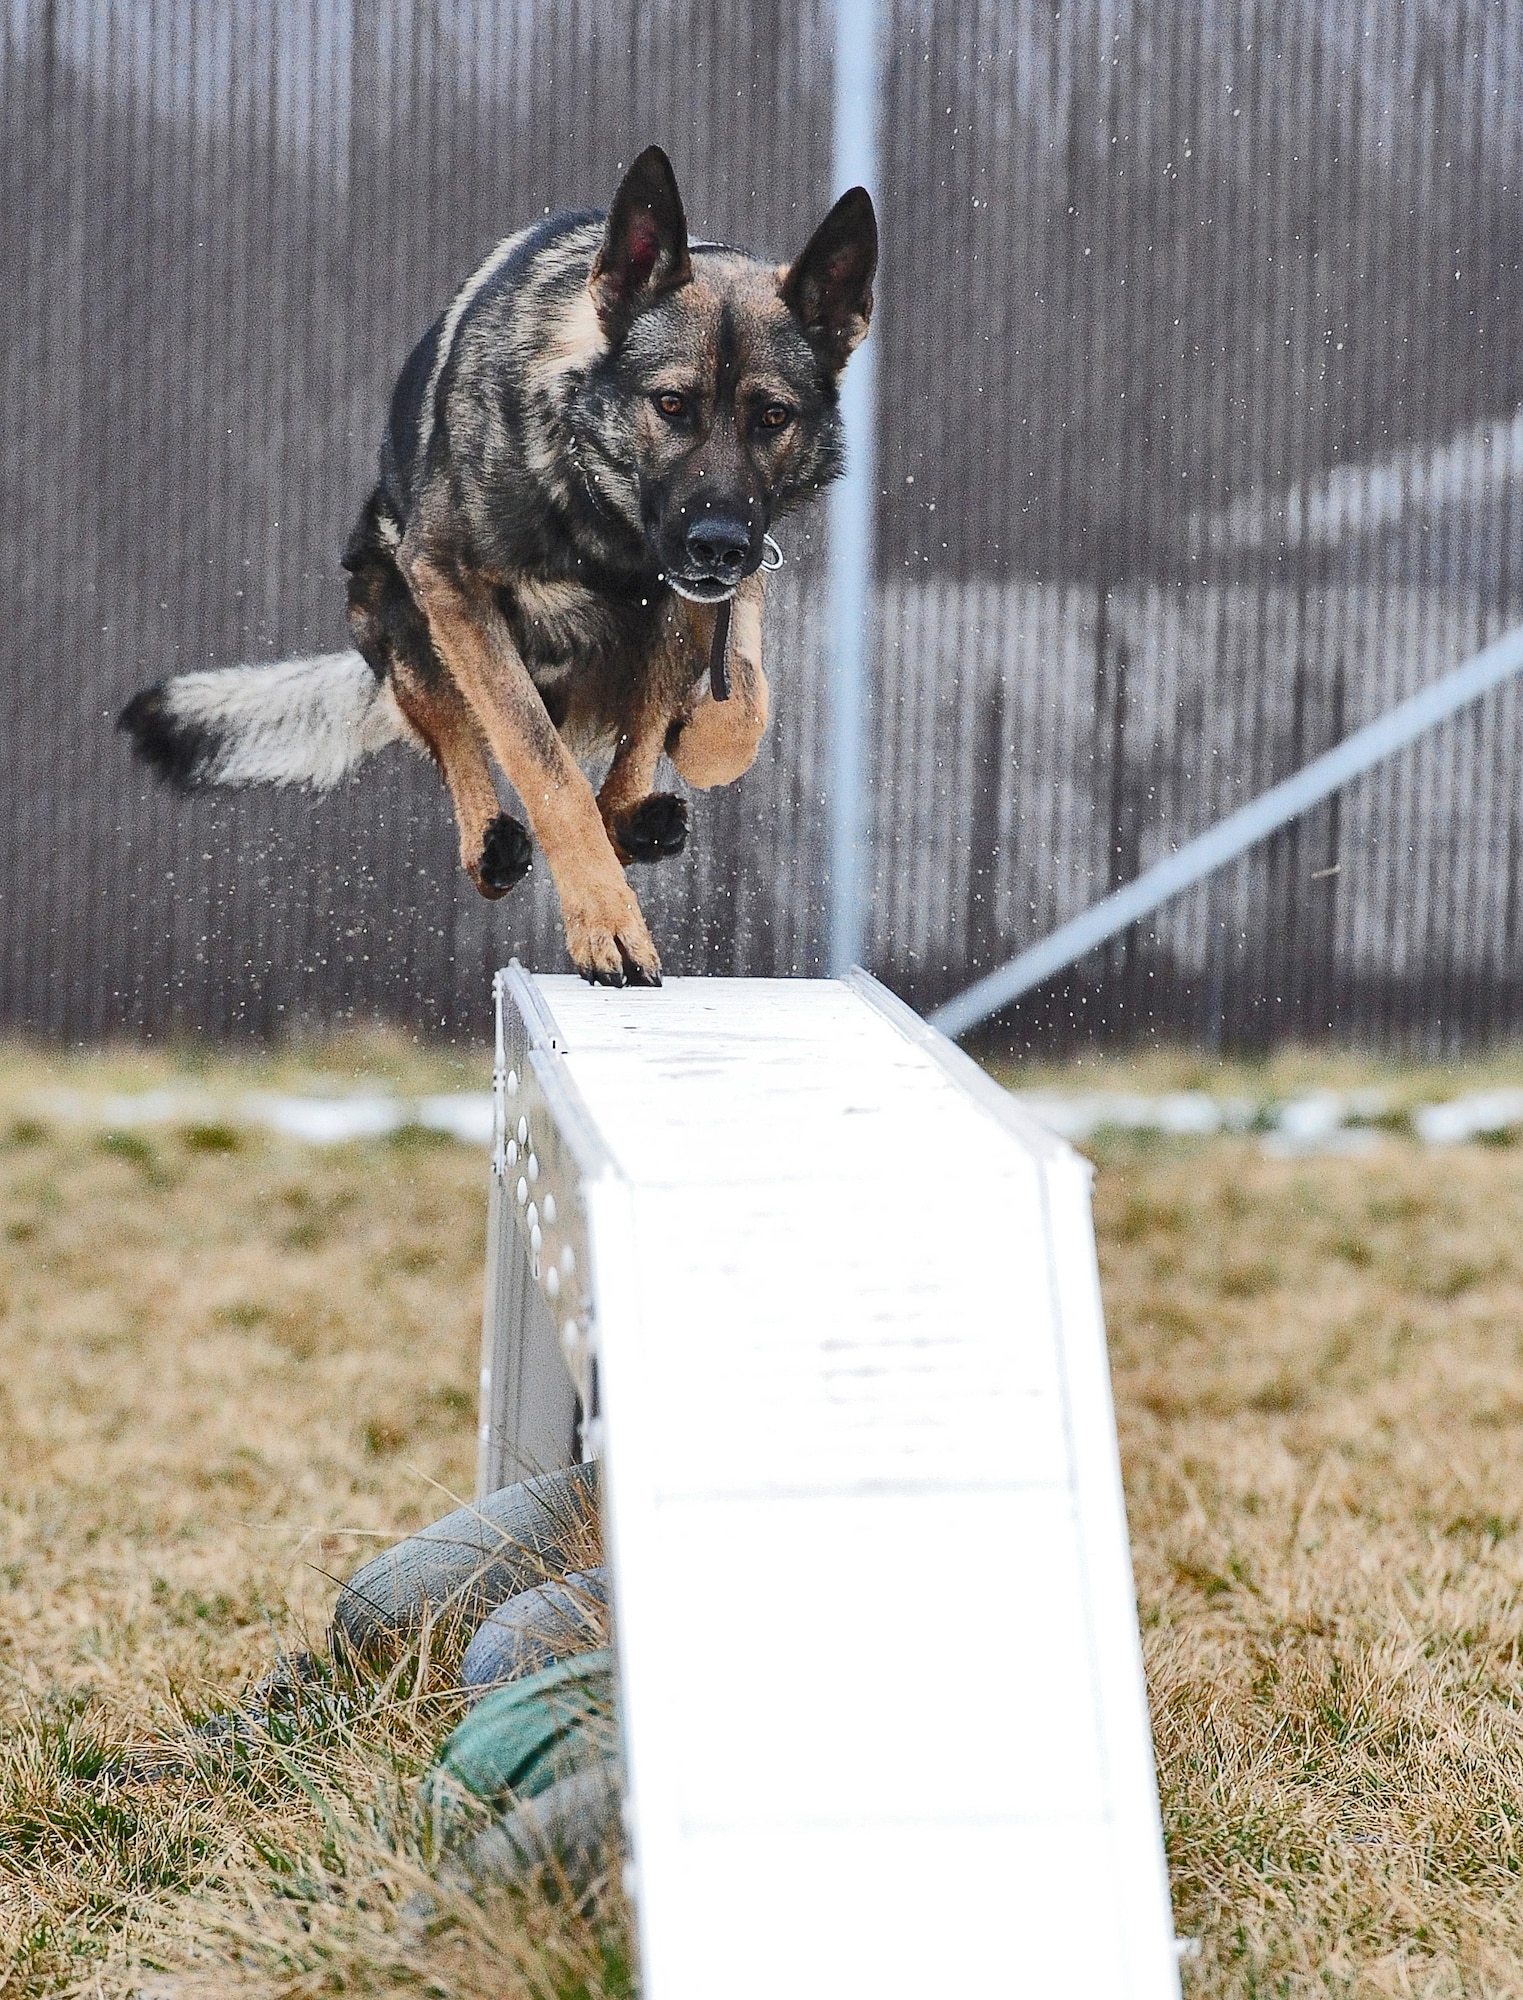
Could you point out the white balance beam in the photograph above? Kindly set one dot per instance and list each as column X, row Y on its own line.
column 825, row 1305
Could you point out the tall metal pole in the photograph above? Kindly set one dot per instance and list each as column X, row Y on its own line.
column 851, row 512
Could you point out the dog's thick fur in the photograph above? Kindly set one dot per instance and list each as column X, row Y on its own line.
column 583, row 458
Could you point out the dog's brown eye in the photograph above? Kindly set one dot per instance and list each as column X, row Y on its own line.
column 775, row 416
column 670, row 404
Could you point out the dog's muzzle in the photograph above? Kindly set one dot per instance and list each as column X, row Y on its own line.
column 720, row 559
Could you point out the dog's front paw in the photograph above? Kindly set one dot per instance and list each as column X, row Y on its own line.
column 655, row 828
column 608, row 941
column 507, row 855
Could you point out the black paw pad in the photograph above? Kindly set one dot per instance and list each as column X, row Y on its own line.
column 507, row 854
column 656, row 828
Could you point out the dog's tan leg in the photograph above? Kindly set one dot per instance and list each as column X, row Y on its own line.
column 605, row 931
column 495, row 850
column 714, row 742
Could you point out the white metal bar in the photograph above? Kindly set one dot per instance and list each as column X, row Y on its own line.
column 851, row 508
column 1234, row 835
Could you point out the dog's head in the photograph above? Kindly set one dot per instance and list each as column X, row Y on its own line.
column 713, row 405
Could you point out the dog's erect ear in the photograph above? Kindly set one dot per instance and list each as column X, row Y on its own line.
column 644, row 250
column 829, row 286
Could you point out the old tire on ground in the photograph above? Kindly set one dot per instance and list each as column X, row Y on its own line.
column 572, row 1829
column 553, row 1621
column 465, row 1565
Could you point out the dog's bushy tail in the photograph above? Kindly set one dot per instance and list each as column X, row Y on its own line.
column 294, row 722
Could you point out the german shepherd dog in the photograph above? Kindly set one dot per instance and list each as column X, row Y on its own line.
column 584, row 457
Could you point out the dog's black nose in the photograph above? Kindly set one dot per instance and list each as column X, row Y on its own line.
column 719, row 547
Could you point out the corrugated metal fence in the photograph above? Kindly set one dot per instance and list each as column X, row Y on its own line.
column 1201, row 441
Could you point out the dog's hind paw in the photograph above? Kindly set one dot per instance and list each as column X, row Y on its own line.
column 656, row 828
column 507, row 855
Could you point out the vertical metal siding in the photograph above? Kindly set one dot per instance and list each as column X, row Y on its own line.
column 1200, row 385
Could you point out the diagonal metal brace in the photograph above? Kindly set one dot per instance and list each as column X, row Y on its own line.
column 1235, row 834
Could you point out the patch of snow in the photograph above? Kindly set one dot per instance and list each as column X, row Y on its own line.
column 1182, row 1113
column 1308, row 1120
column 1347, row 1139
column 324, row 1121
column 465, row 1114
column 1468, row 1117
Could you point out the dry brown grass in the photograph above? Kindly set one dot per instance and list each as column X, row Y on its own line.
column 232, row 1367
column 1319, row 1377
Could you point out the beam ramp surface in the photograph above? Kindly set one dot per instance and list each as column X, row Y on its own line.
column 825, row 1305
